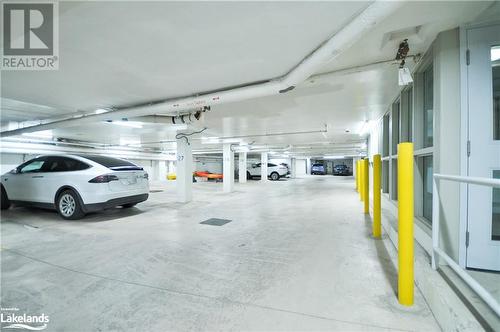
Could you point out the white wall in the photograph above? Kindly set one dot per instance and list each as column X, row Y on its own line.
column 301, row 167
column 9, row 161
column 208, row 164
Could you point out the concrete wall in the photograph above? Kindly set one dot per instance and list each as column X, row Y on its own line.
column 447, row 119
column 445, row 56
column 208, row 164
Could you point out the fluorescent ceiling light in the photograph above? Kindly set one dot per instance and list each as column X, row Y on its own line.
column 40, row 134
column 333, row 157
column 130, row 142
column 132, row 124
column 495, row 53
column 100, row 111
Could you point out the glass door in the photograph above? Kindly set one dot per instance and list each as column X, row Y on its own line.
column 483, row 80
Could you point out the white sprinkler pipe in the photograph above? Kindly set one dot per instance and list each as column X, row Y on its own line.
column 341, row 41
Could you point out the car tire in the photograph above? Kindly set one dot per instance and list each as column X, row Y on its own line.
column 275, row 176
column 5, row 204
column 249, row 177
column 129, row 205
column 69, row 205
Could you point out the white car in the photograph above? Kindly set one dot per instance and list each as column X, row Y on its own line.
column 274, row 172
column 75, row 184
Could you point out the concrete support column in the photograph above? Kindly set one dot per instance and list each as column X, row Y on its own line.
column 242, row 167
column 228, row 168
column 162, row 170
column 308, row 166
column 293, row 168
column 263, row 166
column 184, row 174
column 171, row 167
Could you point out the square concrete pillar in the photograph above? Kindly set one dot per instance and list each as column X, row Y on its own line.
column 293, row 168
column 184, row 168
column 263, row 166
column 308, row 166
column 242, row 169
column 228, row 168
column 162, row 170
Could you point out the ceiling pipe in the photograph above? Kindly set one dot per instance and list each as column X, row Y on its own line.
column 332, row 48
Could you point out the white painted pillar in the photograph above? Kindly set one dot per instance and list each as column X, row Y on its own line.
column 171, row 167
column 308, row 166
column 162, row 170
column 263, row 166
column 242, row 175
column 228, row 168
column 184, row 181
column 293, row 166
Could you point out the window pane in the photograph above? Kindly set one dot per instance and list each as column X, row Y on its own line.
column 394, row 189
column 427, row 186
column 495, row 68
column 428, row 107
column 395, row 127
column 385, row 133
column 495, row 220
column 112, row 163
column 33, row 166
column 410, row 115
column 63, row 164
column 385, row 176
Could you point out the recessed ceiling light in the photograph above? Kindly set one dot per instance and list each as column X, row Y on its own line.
column 132, row 124
column 40, row 134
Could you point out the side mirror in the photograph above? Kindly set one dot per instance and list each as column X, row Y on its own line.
column 14, row 171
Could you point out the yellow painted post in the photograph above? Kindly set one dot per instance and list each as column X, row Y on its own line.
column 377, row 212
column 405, row 224
column 366, row 185
column 361, row 164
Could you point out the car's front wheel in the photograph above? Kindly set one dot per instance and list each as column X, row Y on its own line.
column 69, row 206
column 275, row 176
column 5, row 200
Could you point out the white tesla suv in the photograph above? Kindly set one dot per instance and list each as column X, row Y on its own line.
column 75, row 184
column 274, row 172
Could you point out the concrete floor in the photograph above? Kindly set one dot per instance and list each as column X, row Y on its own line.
column 297, row 256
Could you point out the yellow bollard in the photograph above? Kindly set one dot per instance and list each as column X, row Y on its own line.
column 405, row 224
column 377, row 214
column 361, row 163
column 366, row 185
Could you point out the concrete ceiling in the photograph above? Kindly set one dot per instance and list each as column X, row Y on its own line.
column 203, row 46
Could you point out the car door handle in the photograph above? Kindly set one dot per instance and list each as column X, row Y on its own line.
column 37, row 176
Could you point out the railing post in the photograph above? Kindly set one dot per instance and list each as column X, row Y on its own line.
column 361, row 181
column 405, row 224
column 435, row 223
column 377, row 208
column 366, row 185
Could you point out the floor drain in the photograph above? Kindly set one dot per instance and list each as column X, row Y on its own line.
column 215, row 222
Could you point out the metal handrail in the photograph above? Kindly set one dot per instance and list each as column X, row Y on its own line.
column 437, row 251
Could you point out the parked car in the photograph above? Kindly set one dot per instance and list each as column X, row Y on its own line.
column 318, row 169
column 274, row 172
column 341, row 170
column 287, row 168
column 75, row 184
